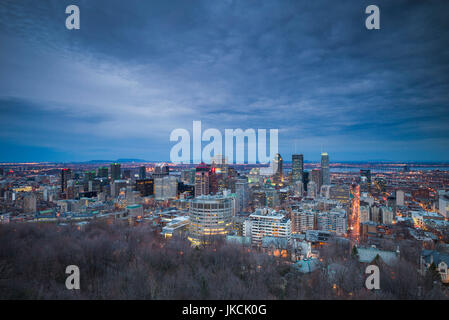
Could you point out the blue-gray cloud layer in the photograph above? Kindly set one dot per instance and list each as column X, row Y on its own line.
column 136, row 70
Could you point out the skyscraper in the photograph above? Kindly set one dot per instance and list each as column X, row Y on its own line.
column 297, row 167
column 325, row 169
column 316, row 176
column 115, row 171
column 202, row 179
column 142, row 172
column 66, row 175
column 277, row 168
column 365, row 180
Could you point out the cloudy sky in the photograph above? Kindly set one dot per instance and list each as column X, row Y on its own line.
column 136, row 70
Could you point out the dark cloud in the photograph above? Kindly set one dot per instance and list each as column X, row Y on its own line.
column 138, row 69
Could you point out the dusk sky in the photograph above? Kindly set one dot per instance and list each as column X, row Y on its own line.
column 136, row 70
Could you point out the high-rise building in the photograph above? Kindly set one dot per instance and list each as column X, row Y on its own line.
column 210, row 217
column 316, row 177
column 165, row 188
column 365, row 181
column 242, row 193
column 302, row 221
column 116, row 186
column 161, row 170
column 202, row 179
column 443, row 203
column 145, row 187
column 333, row 221
column 268, row 223
column 142, row 172
column 312, row 190
column 297, row 167
column 326, row 180
column 115, row 171
column 66, row 175
column 278, row 169
column 102, row 172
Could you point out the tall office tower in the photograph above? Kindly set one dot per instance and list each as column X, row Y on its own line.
column 298, row 187
column 66, row 175
column 165, row 188
column 142, row 172
column 242, row 193
column 326, row 179
column 268, row 223
column 305, row 179
column 365, row 181
column 115, row 171
column 210, row 217
column 145, row 187
column 161, row 170
column 312, row 190
column 102, row 172
column 400, row 196
column 213, row 181
column 277, row 169
column 317, row 177
column 202, row 179
column 297, row 167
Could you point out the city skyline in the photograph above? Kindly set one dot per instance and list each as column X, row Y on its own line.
column 133, row 72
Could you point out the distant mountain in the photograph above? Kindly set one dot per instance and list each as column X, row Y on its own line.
column 125, row 160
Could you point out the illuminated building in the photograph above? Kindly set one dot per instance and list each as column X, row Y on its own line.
column 210, row 216
column 443, row 203
column 242, row 193
column 365, row 181
column 116, row 186
column 202, row 179
column 268, row 223
column 325, row 175
column 115, row 171
column 161, row 170
column 145, row 187
column 316, row 177
column 278, row 169
column 165, row 188
column 297, row 167
column 135, row 210
column 334, row 221
column 340, row 193
column 302, row 221
column 312, row 190
column 66, row 175
column 176, row 226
